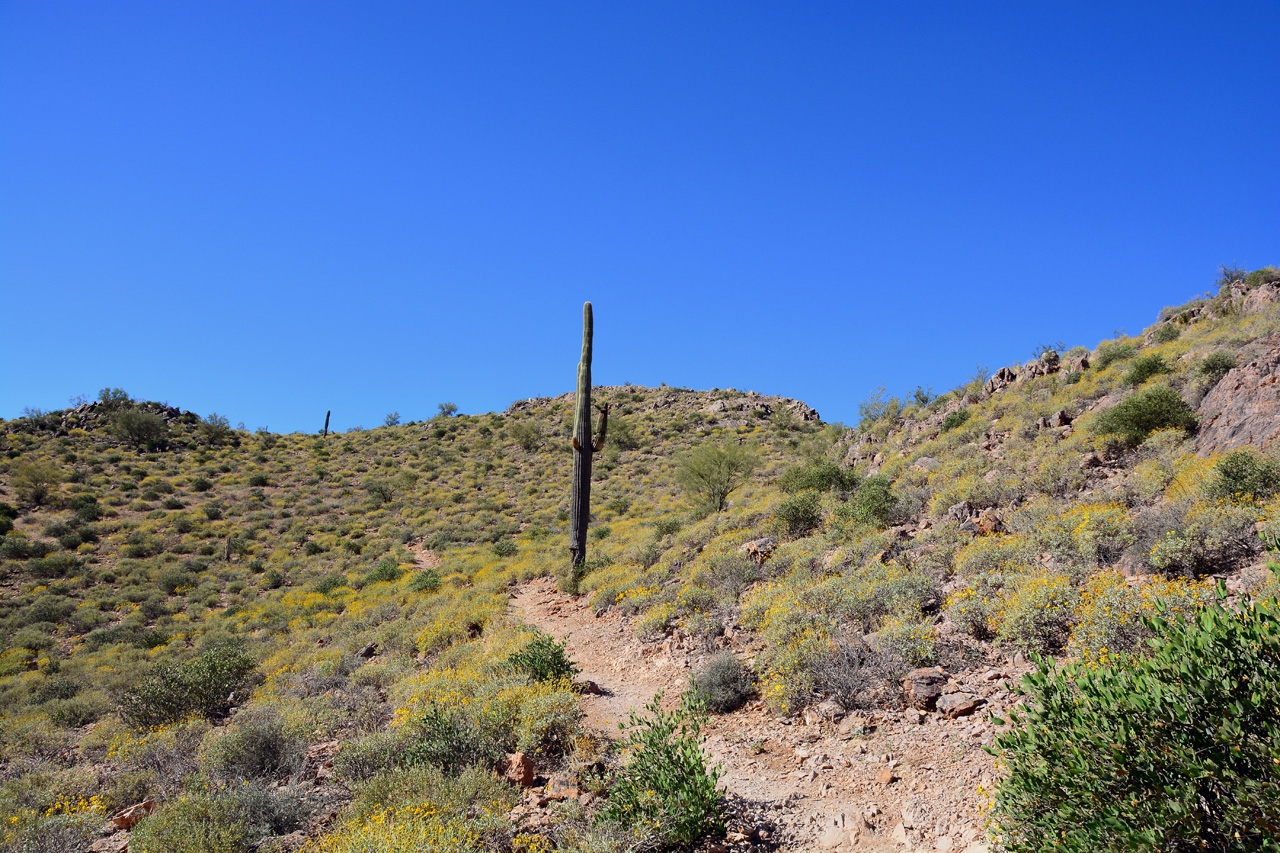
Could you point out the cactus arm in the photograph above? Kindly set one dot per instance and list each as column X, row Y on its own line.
column 604, row 426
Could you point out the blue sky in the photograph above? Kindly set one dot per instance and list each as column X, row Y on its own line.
column 273, row 209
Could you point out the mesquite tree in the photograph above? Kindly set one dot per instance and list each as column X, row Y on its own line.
column 583, row 447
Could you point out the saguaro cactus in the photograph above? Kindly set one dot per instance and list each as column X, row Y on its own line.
column 583, row 447
column 325, row 434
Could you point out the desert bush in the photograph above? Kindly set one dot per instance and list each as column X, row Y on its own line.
column 220, row 821
column 858, row 676
column 666, row 791
column 1110, row 616
column 215, row 430
column 909, row 638
column 723, row 683
column 819, row 476
column 387, row 571
column 1144, row 412
column 143, row 430
column 1179, row 750
column 1215, row 366
column 427, row 580
column 1109, row 352
column 1243, row 475
column 508, row 548
column 1166, row 333
column 1038, row 615
column 798, row 514
column 36, row 483
column 204, row 685
column 1145, row 367
column 1101, row 531
column 449, row 740
column 543, row 659
column 954, row 419
column 254, row 745
column 527, row 435
column 872, row 503
column 710, row 473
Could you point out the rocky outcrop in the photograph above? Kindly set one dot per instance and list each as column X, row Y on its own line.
column 1243, row 409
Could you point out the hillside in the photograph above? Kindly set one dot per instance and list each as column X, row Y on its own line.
column 287, row 641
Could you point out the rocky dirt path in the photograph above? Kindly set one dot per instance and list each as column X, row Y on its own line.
column 822, row 780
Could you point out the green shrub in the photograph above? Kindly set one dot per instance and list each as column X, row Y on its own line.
column 259, row 481
column 543, row 659
column 1144, row 367
column 427, row 580
column 666, row 526
column 1216, row 365
column 1166, row 333
column 143, row 430
column 1109, row 352
column 1144, row 412
column 954, row 419
column 386, row 571
column 710, row 473
column 1242, row 474
column 818, row 476
column 205, row 685
column 1176, row 751
column 448, row 740
column 723, row 683
column 254, row 746
column 220, row 821
column 872, row 503
column 667, row 792
column 201, row 484
column 799, row 514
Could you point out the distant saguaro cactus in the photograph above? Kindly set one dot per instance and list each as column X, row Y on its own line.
column 326, row 424
column 583, row 447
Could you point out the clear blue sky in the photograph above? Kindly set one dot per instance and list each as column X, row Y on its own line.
column 270, row 209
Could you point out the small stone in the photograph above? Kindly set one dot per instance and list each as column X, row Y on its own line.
column 517, row 768
column 886, row 777
column 129, row 818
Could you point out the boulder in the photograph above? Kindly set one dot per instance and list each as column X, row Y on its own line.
column 1000, row 380
column 1243, row 409
column 922, row 687
column 990, row 521
column 953, row 705
column 960, row 511
column 129, row 818
column 517, row 768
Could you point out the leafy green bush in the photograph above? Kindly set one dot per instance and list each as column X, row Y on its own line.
column 1166, row 333
column 818, row 476
column 385, row 572
column 1242, row 474
column 449, row 741
column 954, row 419
column 1144, row 367
column 1177, row 751
column 144, row 430
column 1109, row 352
column 427, row 580
column 799, row 514
column 723, row 683
column 872, row 503
column 710, row 473
column 543, row 659
column 1144, row 412
column 204, row 685
column 667, row 791
column 1216, row 365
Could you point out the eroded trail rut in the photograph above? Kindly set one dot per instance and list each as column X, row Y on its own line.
column 885, row 781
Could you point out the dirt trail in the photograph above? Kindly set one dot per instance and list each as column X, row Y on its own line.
column 885, row 781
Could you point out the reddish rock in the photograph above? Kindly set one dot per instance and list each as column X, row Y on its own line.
column 955, row 705
column 517, row 768
column 1243, row 409
column 922, row 687
column 129, row 818
column 886, row 777
column 562, row 787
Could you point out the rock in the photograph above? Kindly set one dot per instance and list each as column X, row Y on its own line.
column 292, row 841
column 1003, row 378
column 368, row 651
column 588, row 688
column 886, row 777
column 922, row 687
column 832, row 837
column 129, row 818
column 960, row 511
column 899, row 833
column 117, row 843
column 969, row 527
column 990, row 521
column 759, row 549
column 953, row 705
column 517, row 768
column 562, row 787
column 1078, row 364
column 1243, row 409
column 1059, row 418
column 924, row 464
column 1090, row 460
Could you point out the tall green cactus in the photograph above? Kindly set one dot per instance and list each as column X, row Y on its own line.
column 583, row 447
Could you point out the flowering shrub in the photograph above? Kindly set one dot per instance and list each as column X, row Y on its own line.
column 1110, row 622
column 1177, row 751
column 667, row 792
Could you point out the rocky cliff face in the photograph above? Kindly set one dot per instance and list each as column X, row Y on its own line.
column 1243, row 409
